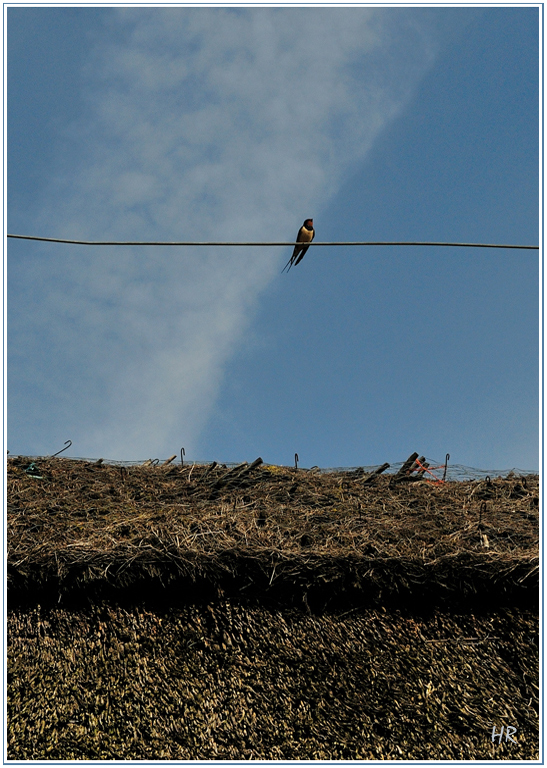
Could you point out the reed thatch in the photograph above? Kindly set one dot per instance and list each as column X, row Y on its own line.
column 229, row 682
column 260, row 612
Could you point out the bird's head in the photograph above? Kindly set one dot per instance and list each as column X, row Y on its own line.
column 308, row 223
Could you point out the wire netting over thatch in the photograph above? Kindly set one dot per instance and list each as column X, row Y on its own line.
column 275, row 532
column 453, row 471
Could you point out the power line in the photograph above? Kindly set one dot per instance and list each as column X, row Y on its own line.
column 260, row 245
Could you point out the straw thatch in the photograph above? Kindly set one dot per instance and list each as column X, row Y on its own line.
column 270, row 532
column 259, row 612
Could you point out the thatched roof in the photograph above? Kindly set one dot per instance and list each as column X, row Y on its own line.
column 272, row 532
column 229, row 682
column 265, row 613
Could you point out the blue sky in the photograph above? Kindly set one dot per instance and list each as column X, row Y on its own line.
column 237, row 124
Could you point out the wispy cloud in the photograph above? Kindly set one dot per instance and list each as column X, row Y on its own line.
column 201, row 123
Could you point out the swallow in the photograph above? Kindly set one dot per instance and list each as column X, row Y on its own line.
column 306, row 233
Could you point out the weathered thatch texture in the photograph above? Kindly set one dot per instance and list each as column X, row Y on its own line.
column 228, row 682
column 269, row 531
column 265, row 613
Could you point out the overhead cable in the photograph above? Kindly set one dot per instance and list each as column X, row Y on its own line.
column 259, row 245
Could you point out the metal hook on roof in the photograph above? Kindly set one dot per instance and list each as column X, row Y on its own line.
column 296, row 461
column 445, row 466
column 67, row 445
column 155, row 462
column 182, row 453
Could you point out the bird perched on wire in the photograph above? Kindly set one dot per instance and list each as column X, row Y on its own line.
column 306, row 233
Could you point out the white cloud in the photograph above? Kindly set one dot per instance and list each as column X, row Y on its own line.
column 202, row 124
